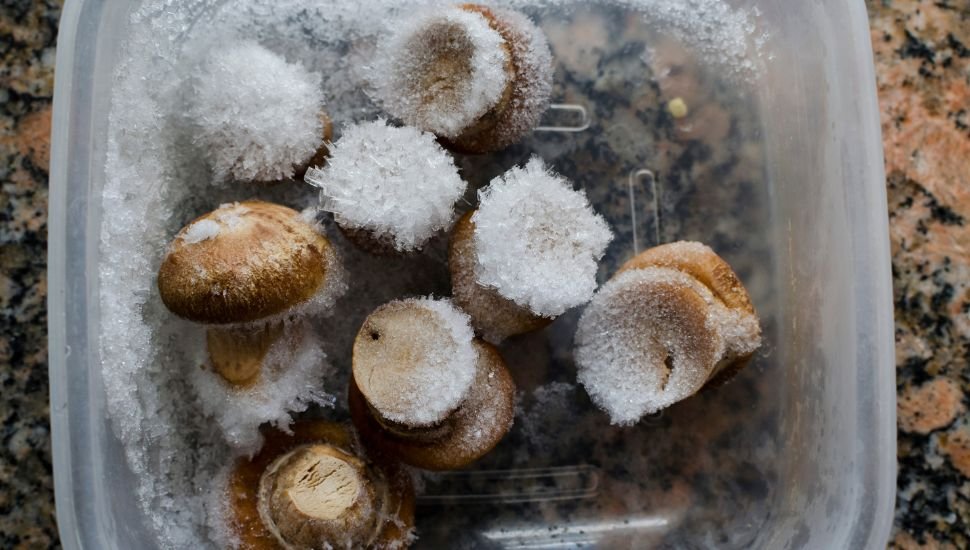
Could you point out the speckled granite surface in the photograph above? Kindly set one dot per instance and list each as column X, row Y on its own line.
column 923, row 68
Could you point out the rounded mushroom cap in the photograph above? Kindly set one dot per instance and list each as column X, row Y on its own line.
column 244, row 262
column 700, row 262
column 482, row 420
column 414, row 360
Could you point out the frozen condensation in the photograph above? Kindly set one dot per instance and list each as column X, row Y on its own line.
column 201, row 230
column 397, row 184
column 652, row 337
column 171, row 447
column 538, row 240
column 256, row 116
column 294, row 374
column 442, row 364
column 441, row 69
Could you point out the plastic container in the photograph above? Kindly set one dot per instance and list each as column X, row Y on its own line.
column 798, row 452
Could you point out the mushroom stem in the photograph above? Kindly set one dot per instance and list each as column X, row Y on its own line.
column 318, row 492
column 237, row 353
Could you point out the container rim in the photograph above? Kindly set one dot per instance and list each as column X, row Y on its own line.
column 870, row 266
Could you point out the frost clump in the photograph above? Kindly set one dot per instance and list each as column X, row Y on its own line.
column 538, row 240
column 291, row 379
column 397, row 184
column 256, row 117
column 441, row 70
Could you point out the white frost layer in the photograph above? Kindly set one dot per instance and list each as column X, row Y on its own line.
column 537, row 240
column 256, row 116
column 640, row 347
column 396, row 183
column 440, row 70
column 293, row 376
column 442, row 371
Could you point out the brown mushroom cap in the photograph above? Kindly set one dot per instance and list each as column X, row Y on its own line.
column 701, row 263
column 315, row 447
column 469, row 433
column 494, row 316
column 243, row 262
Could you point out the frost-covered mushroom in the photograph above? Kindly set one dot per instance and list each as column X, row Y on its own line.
column 256, row 117
column 424, row 389
column 390, row 189
column 527, row 254
column 316, row 488
column 673, row 320
column 243, row 270
column 478, row 77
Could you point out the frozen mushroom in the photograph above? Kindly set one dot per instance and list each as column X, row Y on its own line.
column 424, row 389
column 477, row 77
column 527, row 254
column 389, row 188
column 243, row 271
column 673, row 320
column 316, row 488
column 257, row 118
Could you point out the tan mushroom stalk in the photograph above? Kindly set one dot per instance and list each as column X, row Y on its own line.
column 244, row 270
column 424, row 390
column 316, row 488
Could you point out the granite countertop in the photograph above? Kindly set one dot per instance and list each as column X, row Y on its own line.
column 922, row 53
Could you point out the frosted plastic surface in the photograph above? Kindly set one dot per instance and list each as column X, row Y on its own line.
column 797, row 452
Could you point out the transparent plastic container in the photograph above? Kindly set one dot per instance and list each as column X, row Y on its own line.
column 797, row 452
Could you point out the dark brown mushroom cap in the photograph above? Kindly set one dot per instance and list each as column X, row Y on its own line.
column 243, row 262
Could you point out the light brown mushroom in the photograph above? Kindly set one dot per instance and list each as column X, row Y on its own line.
column 243, row 270
column 316, row 488
column 418, row 394
column 672, row 321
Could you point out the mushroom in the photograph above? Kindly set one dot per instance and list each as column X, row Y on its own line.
column 243, row 270
column 257, row 117
column 316, row 488
column 673, row 320
column 527, row 254
column 390, row 189
column 478, row 77
column 424, row 390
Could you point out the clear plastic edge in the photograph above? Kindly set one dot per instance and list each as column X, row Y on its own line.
column 873, row 271
column 67, row 522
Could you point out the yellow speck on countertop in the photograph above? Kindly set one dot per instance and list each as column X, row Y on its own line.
column 677, row 107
